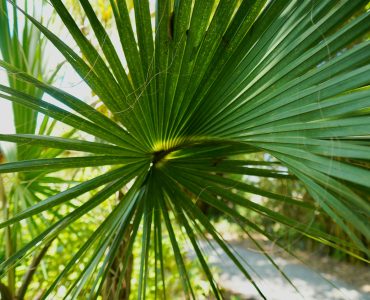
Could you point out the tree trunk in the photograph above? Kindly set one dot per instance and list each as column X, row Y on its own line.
column 112, row 282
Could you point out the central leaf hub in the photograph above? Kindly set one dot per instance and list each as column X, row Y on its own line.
column 159, row 155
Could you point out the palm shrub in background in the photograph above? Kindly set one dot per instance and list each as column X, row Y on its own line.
column 208, row 83
column 23, row 46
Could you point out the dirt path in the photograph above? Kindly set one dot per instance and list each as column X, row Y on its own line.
column 310, row 284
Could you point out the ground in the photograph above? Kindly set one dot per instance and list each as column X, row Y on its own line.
column 315, row 277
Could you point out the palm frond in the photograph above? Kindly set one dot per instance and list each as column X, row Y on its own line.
column 202, row 86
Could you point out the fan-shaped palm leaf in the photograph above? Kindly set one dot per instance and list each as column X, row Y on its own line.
column 210, row 81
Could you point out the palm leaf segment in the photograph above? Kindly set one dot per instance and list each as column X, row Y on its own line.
column 209, row 82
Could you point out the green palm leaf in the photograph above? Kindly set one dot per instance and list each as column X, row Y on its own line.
column 208, row 84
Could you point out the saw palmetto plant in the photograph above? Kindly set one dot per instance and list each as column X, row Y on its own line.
column 193, row 92
column 22, row 45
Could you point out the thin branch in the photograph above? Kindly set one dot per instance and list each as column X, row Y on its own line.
column 31, row 271
column 5, row 292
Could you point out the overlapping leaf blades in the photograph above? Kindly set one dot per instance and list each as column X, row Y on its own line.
column 23, row 46
column 218, row 79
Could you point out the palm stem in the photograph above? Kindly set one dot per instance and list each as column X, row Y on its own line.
column 9, row 245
